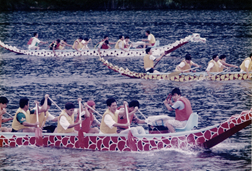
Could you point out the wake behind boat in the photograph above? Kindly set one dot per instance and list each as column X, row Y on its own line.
column 205, row 137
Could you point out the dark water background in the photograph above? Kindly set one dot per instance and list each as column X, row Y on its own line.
column 66, row 79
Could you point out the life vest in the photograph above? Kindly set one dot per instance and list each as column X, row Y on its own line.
column 152, row 41
column 186, row 67
column 79, row 46
column 147, row 62
column 242, row 66
column 104, row 46
column 55, row 45
column 42, row 118
column 124, row 120
column 70, row 119
column 17, row 125
column 215, row 68
column 103, row 127
column 86, row 123
column 117, row 44
column 30, row 41
column 220, row 66
column 184, row 114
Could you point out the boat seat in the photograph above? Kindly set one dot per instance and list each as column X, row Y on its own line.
column 157, row 43
column 191, row 123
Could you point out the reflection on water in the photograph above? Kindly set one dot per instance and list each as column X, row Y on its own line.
column 66, row 79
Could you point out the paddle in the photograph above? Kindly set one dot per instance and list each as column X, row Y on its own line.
column 38, row 131
column 165, row 53
column 80, row 132
column 8, row 114
column 131, row 141
column 142, row 114
column 94, row 110
column 55, row 104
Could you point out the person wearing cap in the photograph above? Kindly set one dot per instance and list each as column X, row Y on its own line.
column 21, row 120
column 3, row 105
column 186, row 64
column 43, row 114
column 246, row 65
column 222, row 63
column 182, row 107
column 149, row 61
column 109, row 121
column 213, row 65
column 66, row 119
column 77, row 44
column 89, row 121
column 122, row 119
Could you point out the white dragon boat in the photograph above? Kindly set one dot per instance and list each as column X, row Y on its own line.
column 203, row 138
column 105, row 52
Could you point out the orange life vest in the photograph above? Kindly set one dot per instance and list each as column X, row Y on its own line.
column 184, row 114
column 124, row 120
column 86, row 123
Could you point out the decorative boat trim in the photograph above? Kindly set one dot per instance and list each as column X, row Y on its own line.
column 109, row 52
column 206, row 138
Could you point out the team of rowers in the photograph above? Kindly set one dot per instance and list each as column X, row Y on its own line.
column 114, row 120
column 216, row 65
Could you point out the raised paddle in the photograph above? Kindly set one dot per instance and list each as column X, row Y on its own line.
column 94, row 110
column 55, row 104
column 38, row 131
column 165, row 53
column 80, row 132
column 131, row 141
column 8, row 114
column 141, row 113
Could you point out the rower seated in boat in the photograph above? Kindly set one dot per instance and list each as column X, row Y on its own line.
column 34, row 42
column 182, row 107
column 186, row 64
column 89, row 121
column 44, row 115
column 63, row 44
column 127, row 42
column 151, row 39
column 122, row 118
column 84, row 43
column 77, row 44
column 149, row 61
column 55, row 46
column 246, row 65
column 120, row 43
column 3, row 105
column 213, row 65
column 66, row 119
column 21, row 121
column 222, row 63
column 109, row 121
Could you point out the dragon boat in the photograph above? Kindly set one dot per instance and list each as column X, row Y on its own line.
column 157, row 50
column 203, row 138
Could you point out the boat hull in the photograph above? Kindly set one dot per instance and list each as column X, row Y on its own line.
column 206, row 138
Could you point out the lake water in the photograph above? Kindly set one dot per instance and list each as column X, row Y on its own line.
column 66, row 79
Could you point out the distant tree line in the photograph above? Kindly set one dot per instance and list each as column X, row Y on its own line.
column 6, row 5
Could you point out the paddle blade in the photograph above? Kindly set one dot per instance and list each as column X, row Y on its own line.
column 38, row 137
column 81, row 139
column 131, row 142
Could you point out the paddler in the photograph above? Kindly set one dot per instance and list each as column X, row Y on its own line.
column 85, row 42
column 213, row 65
column 63, row 44
column 246, row 65
column 182, row 107
column 104, row 44
column 21, row 120
column 186, row 64
column 55, row 46
column 149, row 61
column 109, row 121
column 43, row 114
column 66, row 119
column 151, row 39
column 77, row 44
column 126, row 42
column 222, row 63
column 120, row 43
column 3, row 105
column 89, row 121
column 122, row 119
column 34, row 42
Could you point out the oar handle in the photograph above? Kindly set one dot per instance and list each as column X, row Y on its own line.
column 55, row 104
column 37, row 114
column 165, row 53
column 8, row 114
column 94, row 110
column 127, row 114
column 80, row 112
column 191, row 69
column 141, row 114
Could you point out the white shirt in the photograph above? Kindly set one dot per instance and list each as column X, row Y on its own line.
column 85, row 46
column 49, row 118
column 120, row 44
column 178, row 105
column 34, row 43
column 220, row 64
column 149, row 37
column 151, row 58
column 109, row 121
column 182, row 64
column 210, row 65
column 64, row 122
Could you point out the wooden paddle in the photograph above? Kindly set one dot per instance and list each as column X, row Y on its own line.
column 141, row 113
column 38, row 131
column 80, row 132
column 94, row 110
column 8, row 114
column 55, row 104
column 131, row 141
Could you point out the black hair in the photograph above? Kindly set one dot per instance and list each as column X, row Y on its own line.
column 58, row 40
column 147, row 31
column 64, row 40
column 86, row 39
column 105, row 36
column 23, row 101
column 214, row 56
column 69, row 105
column 222, row 56
column 35, row 33
column 80, row 37
column 49, row 103
column 4, row 100
column 110, row 101
column 250, row 55
column 134, row 103
column 147, row 50
column 106, row 41
column 176, row 90
column 127, row 37
column 188, row 57
column 120, row 36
